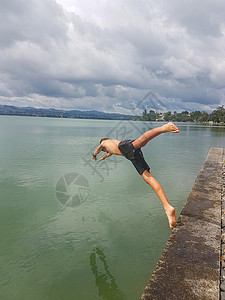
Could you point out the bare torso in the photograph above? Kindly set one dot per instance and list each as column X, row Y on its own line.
column 111, row 146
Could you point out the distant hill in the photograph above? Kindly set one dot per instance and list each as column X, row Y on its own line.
column 55, row 113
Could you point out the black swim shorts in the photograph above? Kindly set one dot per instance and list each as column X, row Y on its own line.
column 134, row 155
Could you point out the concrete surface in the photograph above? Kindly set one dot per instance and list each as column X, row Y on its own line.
column 222, row 270
column 189, row 267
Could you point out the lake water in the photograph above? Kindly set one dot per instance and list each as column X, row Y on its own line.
column 73, row 228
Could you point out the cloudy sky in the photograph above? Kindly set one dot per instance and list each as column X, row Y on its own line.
column 114, row 56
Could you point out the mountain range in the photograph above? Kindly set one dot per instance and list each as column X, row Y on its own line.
column 56, row 113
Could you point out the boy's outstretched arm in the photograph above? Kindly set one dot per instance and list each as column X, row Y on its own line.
column 98, row 150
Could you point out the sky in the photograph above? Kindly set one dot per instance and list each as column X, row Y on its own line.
column 119, row 56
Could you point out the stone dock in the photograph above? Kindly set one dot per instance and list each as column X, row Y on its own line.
column 192, row 265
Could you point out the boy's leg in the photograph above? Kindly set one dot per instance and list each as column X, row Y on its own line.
column 148, row 135
column 169, row 210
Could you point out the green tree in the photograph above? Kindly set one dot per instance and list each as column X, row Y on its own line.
column 168, row 116
column 221, row 110
column 204, row 117
column 181, row 117
column 144, row 115
column 195, row 116
column 218, row 115
column 152, row 115
column 215, row 116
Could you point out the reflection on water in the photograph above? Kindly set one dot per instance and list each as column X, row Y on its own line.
column 104, row 280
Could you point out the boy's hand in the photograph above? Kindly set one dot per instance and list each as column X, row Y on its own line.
column 94, row 157
column 101, row 158
column 105, row 156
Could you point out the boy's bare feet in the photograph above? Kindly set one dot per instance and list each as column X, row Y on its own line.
column 170, row 127
column 170, row 212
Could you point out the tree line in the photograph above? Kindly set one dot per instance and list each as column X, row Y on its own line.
column 217, row 116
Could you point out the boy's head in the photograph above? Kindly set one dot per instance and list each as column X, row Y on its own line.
column 103, row 139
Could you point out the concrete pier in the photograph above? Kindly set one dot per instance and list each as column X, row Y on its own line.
column 189, row 267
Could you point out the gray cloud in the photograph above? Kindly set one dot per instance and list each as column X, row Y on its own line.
column 202, row 18
column 41, row 22
column 107, row 56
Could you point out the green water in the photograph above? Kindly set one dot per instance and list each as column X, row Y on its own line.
column 101, row 238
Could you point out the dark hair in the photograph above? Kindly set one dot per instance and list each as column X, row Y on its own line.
column 103, row 139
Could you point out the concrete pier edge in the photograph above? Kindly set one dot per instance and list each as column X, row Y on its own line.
column 190, row 265
column 222, row 261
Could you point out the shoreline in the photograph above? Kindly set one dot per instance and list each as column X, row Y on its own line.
column 108, row 119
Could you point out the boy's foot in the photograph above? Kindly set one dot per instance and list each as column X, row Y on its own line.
column 170, row 127
column 170, row 212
